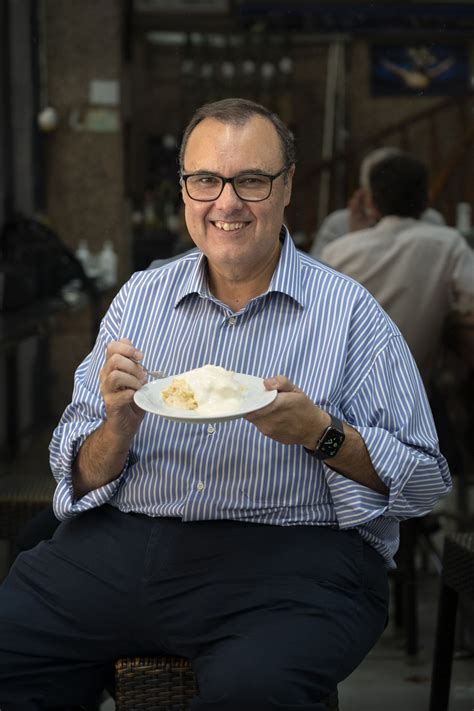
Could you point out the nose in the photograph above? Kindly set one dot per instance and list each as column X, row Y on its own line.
column 228, row 199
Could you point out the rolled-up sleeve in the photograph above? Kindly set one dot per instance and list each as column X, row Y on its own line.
column 391, row 412
column 81, row 418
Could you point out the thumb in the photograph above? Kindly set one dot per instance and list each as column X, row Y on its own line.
column 282, row 384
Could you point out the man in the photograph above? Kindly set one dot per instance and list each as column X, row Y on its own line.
column 355, row 216
column 420, row 273
column 257, row 547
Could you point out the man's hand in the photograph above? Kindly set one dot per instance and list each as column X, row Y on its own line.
column 103, row 454
column 292, row 418
column 120, row 378
column 359, row 219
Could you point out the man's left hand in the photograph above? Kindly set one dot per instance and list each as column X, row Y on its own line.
column 292, row 418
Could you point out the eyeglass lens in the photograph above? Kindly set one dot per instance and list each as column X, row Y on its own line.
column 247, row 186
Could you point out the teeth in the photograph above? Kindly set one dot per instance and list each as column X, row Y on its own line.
column 229, row 226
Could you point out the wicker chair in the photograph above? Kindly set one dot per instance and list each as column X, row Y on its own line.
column 457, row 578
column 162, row 684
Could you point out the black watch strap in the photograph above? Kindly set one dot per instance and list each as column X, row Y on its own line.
column 330, row 441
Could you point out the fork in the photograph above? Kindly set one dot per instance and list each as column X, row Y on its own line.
column 155, row 374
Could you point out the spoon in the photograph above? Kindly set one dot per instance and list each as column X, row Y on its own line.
column 156, row 374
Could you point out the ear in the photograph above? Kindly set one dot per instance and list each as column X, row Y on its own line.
column 289, row 184
column 184, row 195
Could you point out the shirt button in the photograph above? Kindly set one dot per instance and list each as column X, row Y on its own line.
column 232, row 320
column 210, row 429
column 200, row 486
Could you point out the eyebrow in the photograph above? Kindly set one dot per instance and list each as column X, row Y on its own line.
column 252, row 171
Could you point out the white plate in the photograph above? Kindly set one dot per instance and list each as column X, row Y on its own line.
column 254, row 398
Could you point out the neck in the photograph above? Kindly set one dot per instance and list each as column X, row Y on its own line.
column 236, row 291
column 236, row 298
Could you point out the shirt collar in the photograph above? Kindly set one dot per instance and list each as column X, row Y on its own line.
column 396, row 222
column 286, row 278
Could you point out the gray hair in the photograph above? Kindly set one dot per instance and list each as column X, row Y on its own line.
column 237, row 112
column 372, row 159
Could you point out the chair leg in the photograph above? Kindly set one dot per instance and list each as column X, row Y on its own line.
column 444, row 648
column 409, row 585
column 398, row 616
column 411, row 607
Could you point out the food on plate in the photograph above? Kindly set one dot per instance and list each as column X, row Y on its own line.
column 210, row 389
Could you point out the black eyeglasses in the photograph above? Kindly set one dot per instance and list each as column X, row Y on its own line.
column 251, row 187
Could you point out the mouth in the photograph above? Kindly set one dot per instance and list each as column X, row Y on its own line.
column 225, row 226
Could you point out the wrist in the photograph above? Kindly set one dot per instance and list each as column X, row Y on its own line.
column 328, row 442
column 317, row 425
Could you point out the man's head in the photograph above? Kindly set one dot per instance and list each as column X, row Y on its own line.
column 398, row 185
column 371, row 159
column 236, row 223
column 238, row 112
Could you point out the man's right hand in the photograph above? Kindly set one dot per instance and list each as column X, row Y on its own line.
column 103, row 454
column 359, row 219
column 120, row 378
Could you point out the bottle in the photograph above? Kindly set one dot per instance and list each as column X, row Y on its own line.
column 108, row 265
column 463, row 217
column 463, row 222
column 149, row 212
column 85, row 257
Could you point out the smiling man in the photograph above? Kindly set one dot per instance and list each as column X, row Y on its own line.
column 258, row 547
column 236, row 222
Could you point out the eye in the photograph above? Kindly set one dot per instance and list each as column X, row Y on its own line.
column 205, row 181
column 251, row 181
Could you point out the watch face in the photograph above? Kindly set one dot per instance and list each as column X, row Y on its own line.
column 331, row 442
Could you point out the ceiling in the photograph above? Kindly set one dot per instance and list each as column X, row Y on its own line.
column 384, row 17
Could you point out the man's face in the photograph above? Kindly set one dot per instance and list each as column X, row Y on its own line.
column 239, row 238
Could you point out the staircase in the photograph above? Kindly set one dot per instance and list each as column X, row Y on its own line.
column 449, row 128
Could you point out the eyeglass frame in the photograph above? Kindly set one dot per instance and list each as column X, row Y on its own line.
column 183, row 177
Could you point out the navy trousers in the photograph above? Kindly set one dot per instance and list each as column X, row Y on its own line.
column 272, row 617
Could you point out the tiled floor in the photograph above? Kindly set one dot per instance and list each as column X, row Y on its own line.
column 391, row 681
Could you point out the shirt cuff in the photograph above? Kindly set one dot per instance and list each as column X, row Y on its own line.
column 354, row 503
column 65, row 504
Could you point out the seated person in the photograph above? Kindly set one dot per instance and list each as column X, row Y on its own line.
column 258, row 547
column 355, row 216
column 420, row 273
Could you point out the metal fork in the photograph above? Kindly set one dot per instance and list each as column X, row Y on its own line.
column 155, row 374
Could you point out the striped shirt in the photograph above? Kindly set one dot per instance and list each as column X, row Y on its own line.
column 316, row 326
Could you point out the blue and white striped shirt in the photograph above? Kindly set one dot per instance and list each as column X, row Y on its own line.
column 316, row 326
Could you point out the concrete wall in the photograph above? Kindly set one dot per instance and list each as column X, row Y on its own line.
column 85, row 165
column 22, row 106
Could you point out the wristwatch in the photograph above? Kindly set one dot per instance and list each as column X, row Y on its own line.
column 329, row 444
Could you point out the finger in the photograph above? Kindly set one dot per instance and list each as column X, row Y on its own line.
column 260, row 415
column 117, row 381
column 281, row 383
column 119, row 363
column 121, row 399
column 125, row 347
